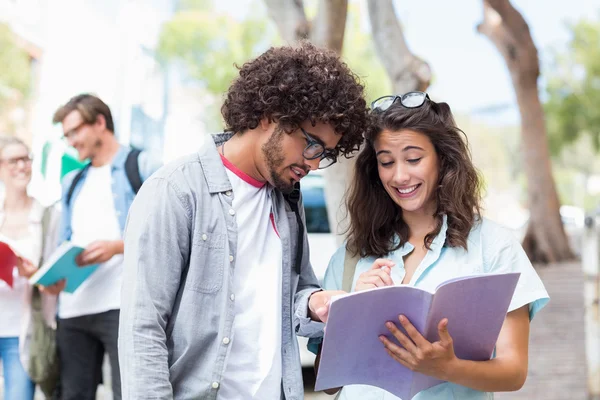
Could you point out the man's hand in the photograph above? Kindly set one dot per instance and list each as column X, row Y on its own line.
column 54, row 289
column 318, row 304
column 25, row 267
column 99, row 252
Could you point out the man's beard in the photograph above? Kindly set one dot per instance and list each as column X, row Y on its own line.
column 273, row 152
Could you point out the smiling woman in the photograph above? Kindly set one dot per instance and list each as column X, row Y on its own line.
column 415, row 219
column 21, row 228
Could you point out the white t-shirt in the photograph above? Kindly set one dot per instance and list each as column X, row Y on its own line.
column 94, row 218
column 253, row 368
column 12, row 300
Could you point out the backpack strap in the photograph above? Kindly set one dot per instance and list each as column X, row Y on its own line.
column 36, row 297
column 45, row 226
column 74, row 183
column 132, row 170
column 350, row 262
column 292, row 199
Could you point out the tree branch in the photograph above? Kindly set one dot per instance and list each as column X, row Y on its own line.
column 509, row 32
column 290, row 19
column 406, row 71
column 545, row 240
column 515, row 23
column 329, row 25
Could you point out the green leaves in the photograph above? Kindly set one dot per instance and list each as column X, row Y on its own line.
column 15, row 72
column 574, row 89
column 211, row 44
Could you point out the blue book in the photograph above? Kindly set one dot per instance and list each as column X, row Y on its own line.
column 61, row 265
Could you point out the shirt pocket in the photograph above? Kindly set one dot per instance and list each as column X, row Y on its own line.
column 207, row 262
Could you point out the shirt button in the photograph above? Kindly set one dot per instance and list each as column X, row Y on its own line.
column 228, row 193
column 226, row 340
column 231, row 211
column 230, row 258
column 204, row 236
column 215, row 385
column 232, row 297
column 118, row 213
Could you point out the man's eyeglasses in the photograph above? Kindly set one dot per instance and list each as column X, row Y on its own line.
column 73, row 132
column 316, row 149
column 14, row 162
column 407, row 100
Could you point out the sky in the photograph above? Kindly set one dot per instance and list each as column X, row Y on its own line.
column 469, row 73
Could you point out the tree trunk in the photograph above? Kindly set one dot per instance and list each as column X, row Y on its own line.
column 329, row 25
column 406, row 71
column 545, row 240
column 290, row 19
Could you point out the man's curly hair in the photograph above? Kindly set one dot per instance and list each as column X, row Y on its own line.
column 291, row 85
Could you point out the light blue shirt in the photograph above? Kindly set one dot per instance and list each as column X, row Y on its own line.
column 178, row 299
column 121, row 188
column 491, row 249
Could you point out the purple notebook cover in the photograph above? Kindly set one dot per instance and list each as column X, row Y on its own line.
column 475, row 306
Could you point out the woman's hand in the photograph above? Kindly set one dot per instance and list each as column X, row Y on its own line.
column 416, row 353
column 377, row 276
column 54, row 289
column 25, row 267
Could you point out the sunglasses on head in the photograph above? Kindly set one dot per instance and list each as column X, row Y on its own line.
column 407, row 100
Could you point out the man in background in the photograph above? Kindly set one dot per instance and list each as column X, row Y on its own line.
column 95, row 203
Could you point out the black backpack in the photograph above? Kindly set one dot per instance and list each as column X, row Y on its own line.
column 132, row 170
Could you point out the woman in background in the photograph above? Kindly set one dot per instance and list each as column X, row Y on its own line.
column 21, row 228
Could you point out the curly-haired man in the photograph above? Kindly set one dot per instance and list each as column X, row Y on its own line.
column 217, row 278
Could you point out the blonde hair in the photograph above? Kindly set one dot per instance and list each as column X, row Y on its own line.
column 6, row 141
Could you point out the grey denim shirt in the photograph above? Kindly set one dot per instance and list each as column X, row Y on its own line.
column 177, row 310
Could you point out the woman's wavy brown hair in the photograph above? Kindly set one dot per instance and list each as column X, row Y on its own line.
column 291, row 85
column 376, row 220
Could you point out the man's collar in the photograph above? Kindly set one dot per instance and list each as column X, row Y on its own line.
column 210, row 159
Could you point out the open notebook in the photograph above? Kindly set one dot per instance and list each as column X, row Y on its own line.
column 475, row 306
column 61, row 265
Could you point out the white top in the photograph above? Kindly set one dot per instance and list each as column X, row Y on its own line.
column 253, row 368
column 94, row 218
column 491, row 249
column 12, row 300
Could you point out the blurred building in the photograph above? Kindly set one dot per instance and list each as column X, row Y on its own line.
column 25, row 19
column 106, row 48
